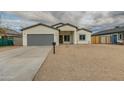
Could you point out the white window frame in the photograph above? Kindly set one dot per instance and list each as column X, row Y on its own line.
column 120, row 36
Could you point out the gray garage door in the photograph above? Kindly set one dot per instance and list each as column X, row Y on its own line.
column 40, row 39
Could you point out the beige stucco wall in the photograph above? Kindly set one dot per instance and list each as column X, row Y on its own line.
column 88, row 37
column 69, row 28
column 40, row 30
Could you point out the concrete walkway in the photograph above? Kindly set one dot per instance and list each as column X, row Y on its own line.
column 22, row 63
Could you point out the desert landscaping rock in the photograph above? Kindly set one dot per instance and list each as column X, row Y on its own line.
column 84, row 62
column 22, row 63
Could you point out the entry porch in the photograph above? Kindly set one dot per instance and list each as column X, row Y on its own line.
column 67, row 37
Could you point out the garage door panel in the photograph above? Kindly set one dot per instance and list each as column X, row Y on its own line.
column 40, row 39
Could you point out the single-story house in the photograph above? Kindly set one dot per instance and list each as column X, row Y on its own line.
column 42, row 34
column 111, row 36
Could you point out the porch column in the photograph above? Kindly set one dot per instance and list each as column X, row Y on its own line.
column 24, row 39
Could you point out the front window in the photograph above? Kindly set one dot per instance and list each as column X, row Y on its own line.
column 66, row 38
column 82, row 37
column 120, row 36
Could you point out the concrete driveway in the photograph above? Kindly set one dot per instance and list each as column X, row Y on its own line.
column 22, row 63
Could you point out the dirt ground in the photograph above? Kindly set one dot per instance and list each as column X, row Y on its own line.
column 7, row 48
column 84, row 62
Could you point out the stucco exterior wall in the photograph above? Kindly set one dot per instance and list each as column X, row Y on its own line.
column 40, row 30
column 67, row 28
column 106, row 39
column 88, row 37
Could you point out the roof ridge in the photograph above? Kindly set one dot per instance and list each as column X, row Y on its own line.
column 85, row 29
column 37, row 25
column 57, row 24
column 68, row 24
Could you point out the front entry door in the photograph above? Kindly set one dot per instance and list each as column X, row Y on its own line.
column 61, row 39
column 114, row 39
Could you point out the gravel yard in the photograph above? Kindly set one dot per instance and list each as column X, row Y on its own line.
column 84, row 62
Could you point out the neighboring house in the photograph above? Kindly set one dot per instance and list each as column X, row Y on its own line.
column 111, row 36
column 41, row 34
column 2, row 33
column 6, row 33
